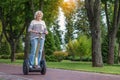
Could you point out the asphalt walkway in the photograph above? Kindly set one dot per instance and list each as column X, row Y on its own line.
column 12, row 72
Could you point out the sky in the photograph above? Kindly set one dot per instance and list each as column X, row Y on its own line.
column 61, row 19
column 68, row 0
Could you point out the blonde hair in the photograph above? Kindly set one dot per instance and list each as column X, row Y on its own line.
column 37, row 13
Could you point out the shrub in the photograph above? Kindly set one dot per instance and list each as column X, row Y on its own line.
column 60, row 55
column 79, row 47
column 19, row 55
column 4, row 56
column 51, row 58
column 4, row 48
column 19, row 46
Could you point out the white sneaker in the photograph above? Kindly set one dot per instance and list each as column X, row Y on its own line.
column 39, row 67
column 31, row 66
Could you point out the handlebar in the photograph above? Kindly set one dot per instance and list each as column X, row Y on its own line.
column 40, row 33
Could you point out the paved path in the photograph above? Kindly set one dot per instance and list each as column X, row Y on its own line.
column 12, row 72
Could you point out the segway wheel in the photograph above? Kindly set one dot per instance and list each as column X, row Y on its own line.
column 25, row 67
column 43, row 67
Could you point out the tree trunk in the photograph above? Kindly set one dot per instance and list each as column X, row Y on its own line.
column 1, row 35
column 41, row 4
column 93, row 12
column 113, row 31
column 13, row 48
column 27, row 21
column 111, row 48
column 32, row 6
column 27, row 46
column 119, row 54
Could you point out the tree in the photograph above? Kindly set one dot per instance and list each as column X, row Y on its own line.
column 10, row 18
column 28, row 9
column 57, row 36
column 49, row 44
column 69, row 10
column 118, row 40
column 113, row 25
column 80, row 20
column 50, row 15
column 93, row 8
column 80, row 47
column 1, row 32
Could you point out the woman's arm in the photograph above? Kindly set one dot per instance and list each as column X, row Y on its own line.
column 30, row 29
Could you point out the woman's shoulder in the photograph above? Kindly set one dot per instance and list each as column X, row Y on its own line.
column 33, row 21
column 43, row 21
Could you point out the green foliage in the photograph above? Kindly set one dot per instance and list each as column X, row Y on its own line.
column 69, row 33
column 15, row 16
column 80, row 20
column 49, row 44
column 69, row 10
column 19, row 56
column 50, row 11
column 80, row 47
column 50, row 58
column 4, row 56
column 84, row 45
column 60, row 55
column 57, row 43
column 19, row 47
column 105, row 50
column 57, row 36
column 110, row 1
column 57, row 56
column 0, row 27
column 4, row 48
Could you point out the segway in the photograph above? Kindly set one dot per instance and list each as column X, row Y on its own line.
column 42, row 68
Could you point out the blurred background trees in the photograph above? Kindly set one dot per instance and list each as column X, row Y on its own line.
column 74, row 41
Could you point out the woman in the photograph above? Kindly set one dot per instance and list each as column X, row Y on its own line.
column 37, row 26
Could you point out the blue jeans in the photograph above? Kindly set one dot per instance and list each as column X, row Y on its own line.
column 34, row 43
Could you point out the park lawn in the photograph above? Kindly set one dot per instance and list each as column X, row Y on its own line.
column 77, row 66
column 85, row 66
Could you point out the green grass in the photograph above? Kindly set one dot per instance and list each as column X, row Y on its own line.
column 85, row 66
column 8, row 61
column 78, row 66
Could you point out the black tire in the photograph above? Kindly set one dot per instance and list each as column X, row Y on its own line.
column 43, row 67
column 26, row 67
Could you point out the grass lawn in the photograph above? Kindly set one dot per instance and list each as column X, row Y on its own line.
column 78, row 66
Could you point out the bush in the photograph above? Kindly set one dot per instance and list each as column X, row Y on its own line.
column 19, row 46
column 4, row 56
column 51, row 58
column 79, row 47
column 4, row 48
column 19, row 55
column 60, row 55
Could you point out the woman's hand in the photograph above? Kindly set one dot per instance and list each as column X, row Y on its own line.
column 46, row 32
column 33, row 31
